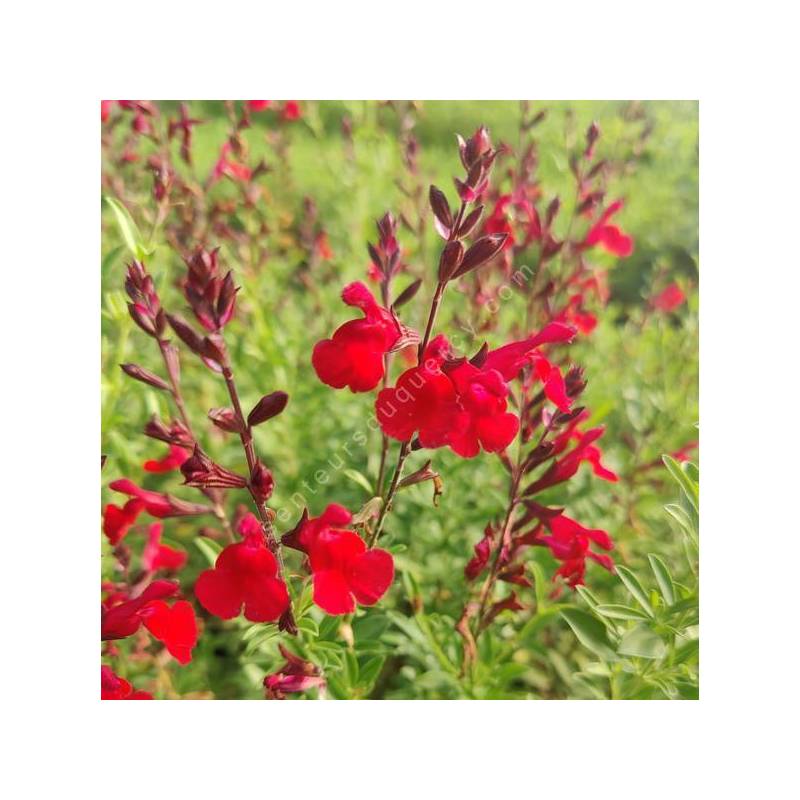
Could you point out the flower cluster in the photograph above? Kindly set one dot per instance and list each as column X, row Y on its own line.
column 343, row 570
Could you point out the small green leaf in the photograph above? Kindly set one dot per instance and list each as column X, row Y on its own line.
column 359, row 478
column 307, row 625
column 129, row 230
column 642, row 642
column 209, row 548
column 613, row 611
column 368, row 674
column 635, row 588
column 682, row 478
column 590, row 632
column 663, row 578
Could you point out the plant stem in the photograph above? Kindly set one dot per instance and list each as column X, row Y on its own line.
column 177, row 397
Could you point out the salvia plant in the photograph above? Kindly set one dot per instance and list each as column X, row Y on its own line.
column 302, row 600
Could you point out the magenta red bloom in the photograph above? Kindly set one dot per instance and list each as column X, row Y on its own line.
column 464, row 404
column 354, row 355
column 244, row 578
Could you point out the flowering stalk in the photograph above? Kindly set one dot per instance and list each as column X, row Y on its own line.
column 477, row 157
column 212, row 299
column 145, row 309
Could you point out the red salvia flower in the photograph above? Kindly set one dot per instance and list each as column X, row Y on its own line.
column 344, row 572
column 259, row 105
column 570, row 543
column 124, row 619
column 669, row 299
column 245, row 574
column 609, row 237
column 159, row 556
column 483, row 550
column 105, row 109
column 117, row 521
column 173, row 460
column 175, row 626
column 291, row 111
column 354, row 355
column 227, row 167
column 483, row 421
column 423, row 401
column 308, row 529
column 112, row 687
column 157, row 504
column 296, row 675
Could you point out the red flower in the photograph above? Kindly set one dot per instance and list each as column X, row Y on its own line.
column 296, row 675
column 345, row 572
column 483, row 421
column 584, row 450
column 259, row 105
column 226, row 167
column 175, row 626
column 117, row 521
column 173, row 460
column 483, row 550
column 159, row 556
column 498, row 221
column 570, row 543
column 669, row 299
column 112, row 687
column 511, row 358
column 105, row 109
column 424, row 400
column 124, row 619
column 308, row 529
column 245, row 574
column 291, row 110
column 609, row 237
column 354, row 355
column 156, row 504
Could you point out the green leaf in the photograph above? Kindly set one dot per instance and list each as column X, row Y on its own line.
column 209, row 548
column 591, row 633
column 613, row 611
column 635, row 588
column 663, row 578
column 358, row 478
column 679, row 474
column 129, row 230
column 307, row 625
column 642, row 642
column 368, row 674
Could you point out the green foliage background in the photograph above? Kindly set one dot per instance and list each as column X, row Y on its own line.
column 643, row 385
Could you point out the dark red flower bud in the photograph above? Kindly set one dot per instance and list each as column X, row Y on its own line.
column 199, row 470
column 142, row 318
column 226, row 419
column 261, row 482
column 440, row 207
column 269, row 406
column 552, row 211
column 175, row 433
column 407, row 294
column 450, row 260
column 186, row 333
column 145, row 376
column 486, row 248
column 470, row 221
